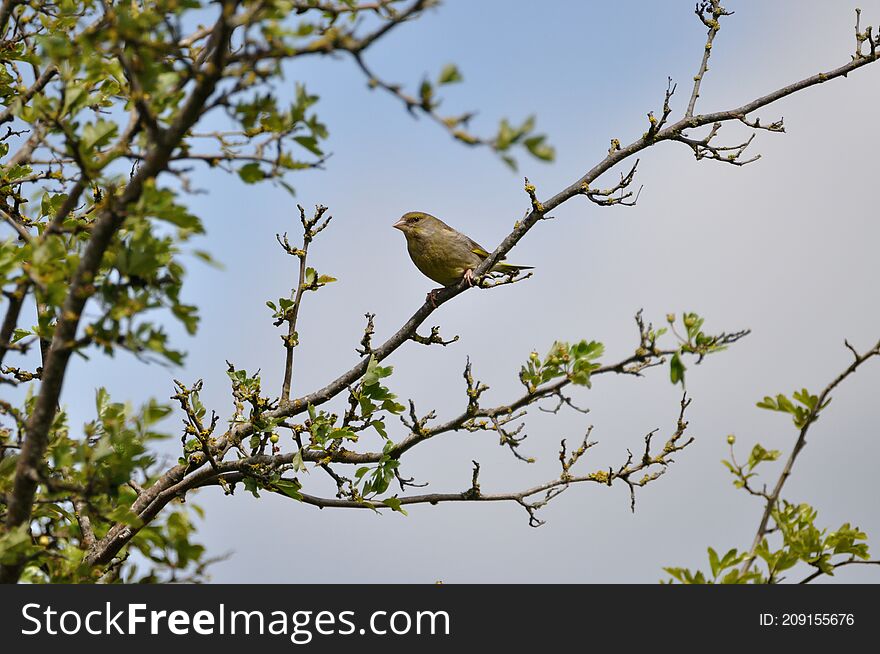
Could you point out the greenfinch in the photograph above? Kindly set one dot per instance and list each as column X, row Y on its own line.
column 443, row 254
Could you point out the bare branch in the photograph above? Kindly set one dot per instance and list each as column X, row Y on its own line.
column 452, row 124
column 193, row 423
column 776, row 126
column 434, row 338
column 650, row 466
column 311, row 228
column 396, row 18
column 336, row 9
column 19, row 228
column 709, row 12
column 861, row 37
column 655, row 125
column 607, row 198
column 367, row 340
column 703, row 148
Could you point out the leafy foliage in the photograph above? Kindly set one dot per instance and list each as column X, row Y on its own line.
column 96, row 468
column 802, row 543
column 803, row 410
column 722, row 569
column 692, row 341
column 376, row 479
column 795, row 539
column 574, row 362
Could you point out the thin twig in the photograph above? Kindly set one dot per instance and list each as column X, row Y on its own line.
column 819, row 572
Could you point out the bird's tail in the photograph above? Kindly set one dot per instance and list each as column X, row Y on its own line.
column 504, row 267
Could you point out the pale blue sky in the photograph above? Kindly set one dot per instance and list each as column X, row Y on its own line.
column 786, row 247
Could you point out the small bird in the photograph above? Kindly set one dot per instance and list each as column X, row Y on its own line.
column 442, row 253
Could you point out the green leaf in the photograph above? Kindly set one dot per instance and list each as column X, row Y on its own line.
column 251, row 173
column 297, row 462
column 375, row 372
column 96, row 135
column 15, row 543
column 676, row 369
column 731, row 558
column 426, row 94
column 714, row 563
column 19, row 334
column 449, row 75
column 759, row 455
column 539, row 149
column 360, row 472
column 289, row 487
column 801, row 415
column 16, row 172
column 206, row 257
column 505, row 135
column 343, row 433
column 124, row 515
column 251, row 485
column 394, row 504
column 310, row 143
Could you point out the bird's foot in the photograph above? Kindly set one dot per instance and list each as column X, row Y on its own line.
column 469, row 277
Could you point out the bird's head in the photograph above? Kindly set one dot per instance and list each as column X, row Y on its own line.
column 414, row 222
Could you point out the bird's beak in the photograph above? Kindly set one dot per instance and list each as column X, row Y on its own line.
column 399, row 224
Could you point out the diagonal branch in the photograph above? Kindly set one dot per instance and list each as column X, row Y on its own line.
column 19, row 228
column 336, row 9
column 424, row 106
column 396, row 19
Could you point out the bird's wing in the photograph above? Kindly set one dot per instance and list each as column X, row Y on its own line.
column 501, row 266
column 475, row 247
